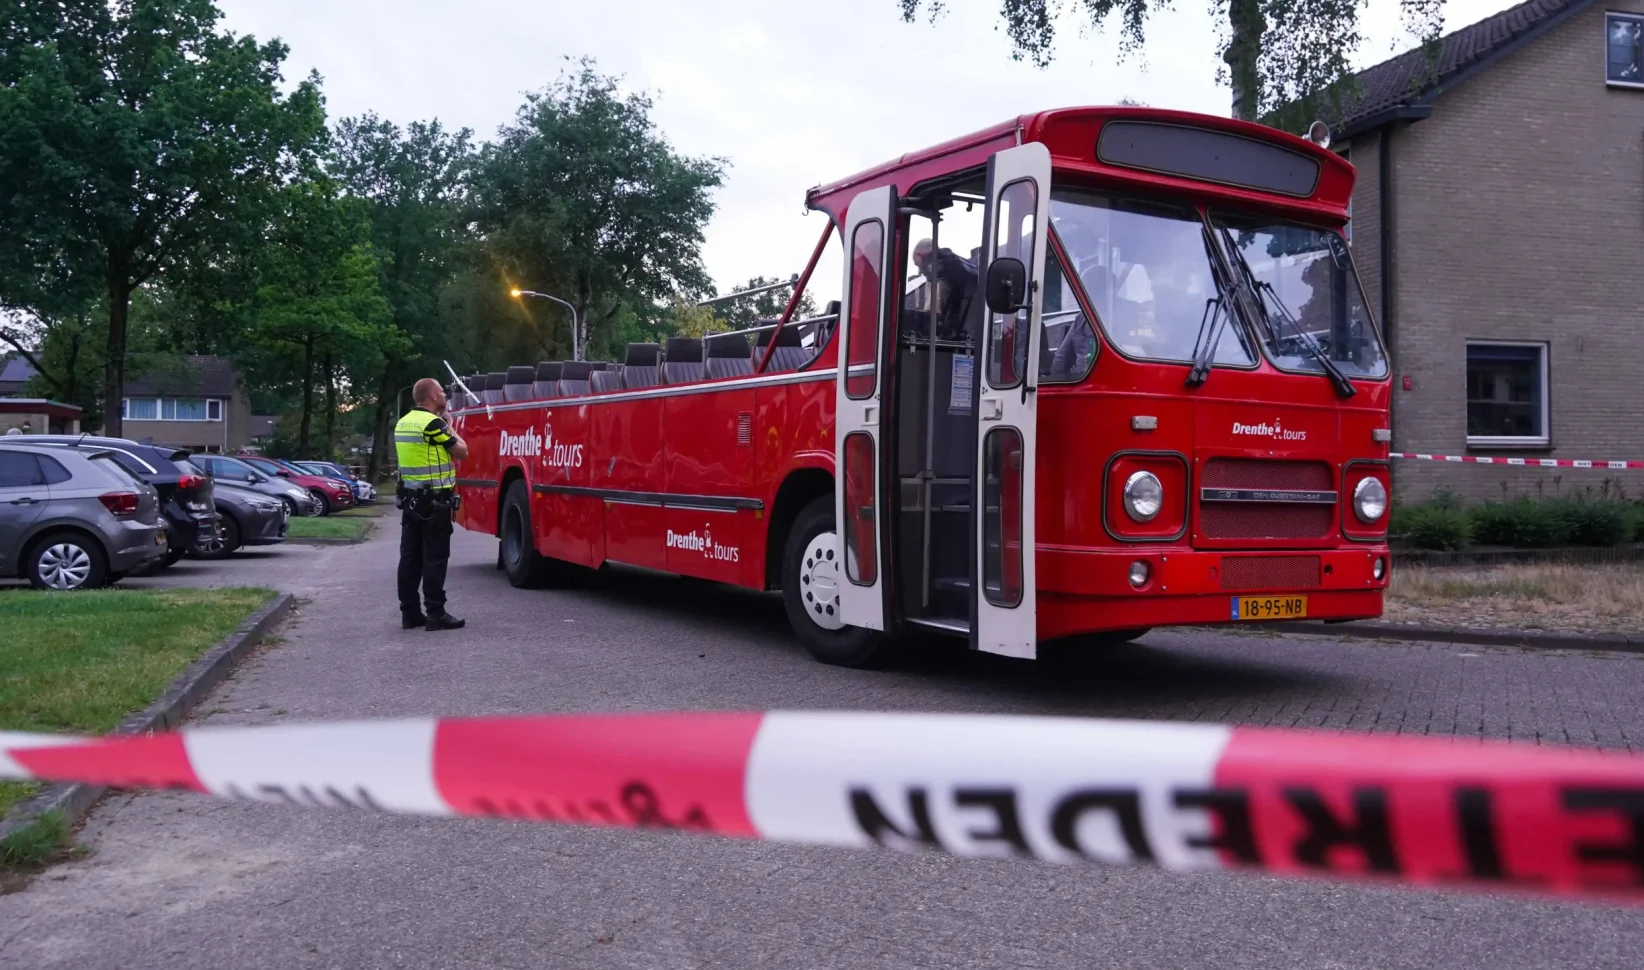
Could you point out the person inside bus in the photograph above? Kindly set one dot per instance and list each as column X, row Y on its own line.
column 953, row 299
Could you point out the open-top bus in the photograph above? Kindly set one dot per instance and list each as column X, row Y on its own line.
column 1092, row 371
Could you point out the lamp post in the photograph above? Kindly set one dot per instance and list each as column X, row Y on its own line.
column 576, row 325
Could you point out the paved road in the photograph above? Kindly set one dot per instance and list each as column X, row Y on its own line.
column 177, row 881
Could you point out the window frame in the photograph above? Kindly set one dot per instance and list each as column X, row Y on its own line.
column 1610, row 17
column 211, row 404
column 1057, row 256
column 1544, row 354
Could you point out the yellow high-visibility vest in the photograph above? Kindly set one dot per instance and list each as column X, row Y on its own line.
column 419, row 443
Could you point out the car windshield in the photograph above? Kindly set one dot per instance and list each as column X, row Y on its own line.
column 1314, row 306
column 1146, row 272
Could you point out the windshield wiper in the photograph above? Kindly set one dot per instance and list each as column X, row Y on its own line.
column 1344, row 387
column 1216, row 312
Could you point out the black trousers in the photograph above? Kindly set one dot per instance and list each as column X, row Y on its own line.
column 425, row 548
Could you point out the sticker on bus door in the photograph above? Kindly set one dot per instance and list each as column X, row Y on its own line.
column 960, row 384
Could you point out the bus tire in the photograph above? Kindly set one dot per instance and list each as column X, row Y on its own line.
column 805, row 574
column 526, row 568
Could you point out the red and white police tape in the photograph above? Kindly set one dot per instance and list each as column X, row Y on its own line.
column 1423, row 811
column 1525, row 462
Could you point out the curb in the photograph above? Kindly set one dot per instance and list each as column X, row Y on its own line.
column 180, row 696
column 320, row 541
column 1534, row 639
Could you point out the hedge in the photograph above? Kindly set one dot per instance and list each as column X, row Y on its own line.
column 1521, row 523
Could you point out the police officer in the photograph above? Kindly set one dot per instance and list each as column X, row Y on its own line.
column 426, row 495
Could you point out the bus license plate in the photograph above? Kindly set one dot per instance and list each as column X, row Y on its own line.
column 1269, row 607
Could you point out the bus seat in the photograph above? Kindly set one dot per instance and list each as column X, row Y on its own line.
column 640, row 365
column 790, row 353
column 727, row 356
column 547, row 379
column 608, row 379
column 573, row 378
column 682, row 362
column 453, row 397
column 494, row 383
column 517, row 383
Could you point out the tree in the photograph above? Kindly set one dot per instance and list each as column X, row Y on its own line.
column 134, row 138
column 413, row 183
column 319, row 301
column 1274, row 52
column 582, row 198
column 748, row 311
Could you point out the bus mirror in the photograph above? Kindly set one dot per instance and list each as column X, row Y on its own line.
column 1007, row 285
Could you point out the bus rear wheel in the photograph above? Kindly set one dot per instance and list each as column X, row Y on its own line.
column 812, row 571
column 526, row 568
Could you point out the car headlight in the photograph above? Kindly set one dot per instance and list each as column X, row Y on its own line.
column 1369, row 500
column 1143, row 496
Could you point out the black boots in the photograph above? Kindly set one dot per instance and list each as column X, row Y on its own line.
column 445, row 621
column 410, row 621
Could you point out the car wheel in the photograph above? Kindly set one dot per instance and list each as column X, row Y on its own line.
column 66, row 560
column 220, row 544
column 526, row 568
column 320, row 501
column 812, row 571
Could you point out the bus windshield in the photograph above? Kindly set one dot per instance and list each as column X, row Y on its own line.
column 1146, row 271
column 1303, row 278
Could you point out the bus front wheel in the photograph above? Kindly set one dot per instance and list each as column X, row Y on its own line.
column 812, row 571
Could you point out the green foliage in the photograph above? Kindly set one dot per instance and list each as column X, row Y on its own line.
column 747, row 312
column 1433, row 526
column 137, row 142
column 1274, row 52
column 582, row 198
column 1522, row 523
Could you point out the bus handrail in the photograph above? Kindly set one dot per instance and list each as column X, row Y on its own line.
column 824, row 318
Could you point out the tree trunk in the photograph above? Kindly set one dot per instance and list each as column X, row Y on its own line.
column 308, row 398
column 379, row 429
column 1243, row 56
column 330, row 409
column 114, row 371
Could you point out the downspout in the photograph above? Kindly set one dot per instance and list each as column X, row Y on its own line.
column 1384, row 220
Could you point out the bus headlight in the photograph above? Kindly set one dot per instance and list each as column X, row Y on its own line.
column 1143, row 496
column 1369, row 500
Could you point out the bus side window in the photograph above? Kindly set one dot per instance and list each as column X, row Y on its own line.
column 1067, row 346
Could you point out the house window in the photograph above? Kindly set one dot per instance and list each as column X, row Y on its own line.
column 1624, row 49
column 214, row 410
column 1507, row 394
column 142, row 408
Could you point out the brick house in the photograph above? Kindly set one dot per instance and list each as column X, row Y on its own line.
column 203, row 406
column 1498, row 224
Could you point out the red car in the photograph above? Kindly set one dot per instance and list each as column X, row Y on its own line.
column 329, row 494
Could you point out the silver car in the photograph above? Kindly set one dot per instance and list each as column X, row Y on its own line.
column 233, row 471
column 72, row 519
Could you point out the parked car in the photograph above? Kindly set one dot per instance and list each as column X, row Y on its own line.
column 236, row 473
column 185, row 494
column 249, row 518
column 73, row 518
column 364, row 491
column 331, row 494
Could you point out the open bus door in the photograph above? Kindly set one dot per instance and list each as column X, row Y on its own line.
column 1003, row 605
column 859, row 390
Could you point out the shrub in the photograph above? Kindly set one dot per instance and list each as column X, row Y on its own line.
column 1434, row 527
column 1527, row 523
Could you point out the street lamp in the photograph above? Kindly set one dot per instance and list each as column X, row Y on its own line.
column 576, row 326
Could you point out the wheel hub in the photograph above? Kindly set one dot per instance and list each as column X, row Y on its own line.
column 64, row 566
column 819, row 581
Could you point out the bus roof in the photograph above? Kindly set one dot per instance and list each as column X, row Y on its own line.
column 1210, row 157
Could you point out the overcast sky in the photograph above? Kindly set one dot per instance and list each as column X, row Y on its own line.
column 791, row 94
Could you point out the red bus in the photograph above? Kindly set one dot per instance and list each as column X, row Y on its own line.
column 1092, row 371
